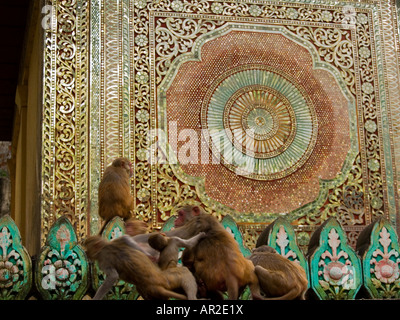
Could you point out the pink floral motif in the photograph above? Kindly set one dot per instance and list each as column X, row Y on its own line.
column 9, row 272
column 63, row 236
column 336, row 273
column 282, row 241
column 385, row 270
column 116, row 233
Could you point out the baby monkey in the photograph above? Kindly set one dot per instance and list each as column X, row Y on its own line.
column 169, row 248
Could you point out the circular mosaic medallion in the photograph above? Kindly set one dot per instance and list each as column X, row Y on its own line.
column 259, row 122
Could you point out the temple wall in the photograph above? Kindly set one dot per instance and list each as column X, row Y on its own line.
column 114, row 72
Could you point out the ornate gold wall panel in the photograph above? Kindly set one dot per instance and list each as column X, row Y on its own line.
column 65, row 151
column 329, row 70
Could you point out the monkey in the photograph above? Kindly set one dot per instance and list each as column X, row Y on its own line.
column 114, row 196
column 134, row 227
column 119, row 260
column 279, row 278
column 169, row 248
column 184, row 214
column 216, row 260
column 169, row 255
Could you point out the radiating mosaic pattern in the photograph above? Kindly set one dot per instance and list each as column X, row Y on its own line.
column 270, row 138
column 310, row 104
column 321, row 148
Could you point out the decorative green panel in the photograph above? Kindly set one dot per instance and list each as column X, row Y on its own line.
column 15, row 262
column 280, row 235
column 381, row 261
column 122, row 290
column 335, row 269
column 229, row 224
column 169, row 224
column 62, row 266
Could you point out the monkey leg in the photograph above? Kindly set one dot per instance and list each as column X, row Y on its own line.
column 274, row 280
column 111, row 278
column 170, row 294
column 254, row 287
column 232, row 287
column 189, row 285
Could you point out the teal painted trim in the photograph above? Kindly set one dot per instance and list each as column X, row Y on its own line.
column 281, row 236
column 335, row 269
column 62, row 270
column 383, row 111
column 15, row 262
column 231, row 226
column 169, row 224
column 381, row 262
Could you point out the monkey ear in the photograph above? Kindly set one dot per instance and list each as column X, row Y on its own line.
column 196, row 211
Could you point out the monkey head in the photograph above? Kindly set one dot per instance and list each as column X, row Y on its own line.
column 125, row 164
column 264, row 248
column 158, row 241
column 134, row 227
column 93, row 246
column 186, row 213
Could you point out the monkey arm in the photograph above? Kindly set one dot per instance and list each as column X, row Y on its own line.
column 133, row 244
column 111, row 278
column 142, row 246
column 189, row 243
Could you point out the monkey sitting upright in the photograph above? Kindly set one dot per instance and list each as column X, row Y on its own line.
column 279, row 278
column 114, row 196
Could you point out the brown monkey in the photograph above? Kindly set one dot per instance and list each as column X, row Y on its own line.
column 280, row 278
column 184, row 214
column 216, row 260
column 134, row 227
column 169, row 248
column 119, row 260
column 114, row 196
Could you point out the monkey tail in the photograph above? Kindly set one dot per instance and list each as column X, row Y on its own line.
column 291, row 295
column 171, row 294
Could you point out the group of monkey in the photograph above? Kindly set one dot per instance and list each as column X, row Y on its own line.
column 212, row 261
